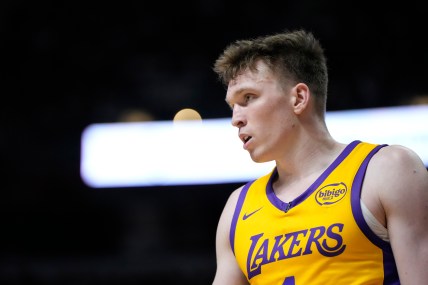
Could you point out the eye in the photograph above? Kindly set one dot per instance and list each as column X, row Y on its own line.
column 248, row 98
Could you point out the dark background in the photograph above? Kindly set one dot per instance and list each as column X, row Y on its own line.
column 67, row 65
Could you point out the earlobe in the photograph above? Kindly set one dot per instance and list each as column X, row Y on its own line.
column 302, row 95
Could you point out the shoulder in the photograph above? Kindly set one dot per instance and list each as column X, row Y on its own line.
column 396, row 158
column 232, row 201
column 225, row 220
column 395, row 178
column 229, row 210
column 396, row 172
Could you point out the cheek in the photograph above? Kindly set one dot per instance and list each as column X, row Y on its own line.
column 272, row 111
column 280, row 115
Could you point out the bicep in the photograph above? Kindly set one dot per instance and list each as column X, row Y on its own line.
column 228, row 271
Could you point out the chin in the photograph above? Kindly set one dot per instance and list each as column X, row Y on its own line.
column 259, row 159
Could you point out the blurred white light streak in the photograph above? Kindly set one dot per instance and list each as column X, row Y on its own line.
column 162, row 153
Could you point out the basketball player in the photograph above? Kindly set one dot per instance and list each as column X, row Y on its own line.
column 329, row 212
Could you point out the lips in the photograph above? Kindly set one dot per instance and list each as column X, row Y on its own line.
column 245, row 139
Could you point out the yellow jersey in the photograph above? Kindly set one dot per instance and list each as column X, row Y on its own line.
column 320, row 237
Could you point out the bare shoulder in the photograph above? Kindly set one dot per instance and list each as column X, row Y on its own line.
column 229, row 208
column 227, row 214
column 233, row 198
column 397, row 156
column 397, row 173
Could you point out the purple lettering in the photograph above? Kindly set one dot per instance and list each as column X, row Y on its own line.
column 327, row 241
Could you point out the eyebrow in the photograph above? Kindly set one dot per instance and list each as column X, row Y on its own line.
column 240, row 91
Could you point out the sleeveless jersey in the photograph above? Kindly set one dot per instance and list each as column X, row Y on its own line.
column 320, row 237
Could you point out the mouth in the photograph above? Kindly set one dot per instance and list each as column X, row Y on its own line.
column 245, row 138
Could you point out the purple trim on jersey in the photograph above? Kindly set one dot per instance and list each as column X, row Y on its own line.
column 235, row 218
column 283, row 206
column 390, row 269
column 356, row 200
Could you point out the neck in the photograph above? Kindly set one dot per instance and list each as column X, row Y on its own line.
column 304, row 166
column 311, row 155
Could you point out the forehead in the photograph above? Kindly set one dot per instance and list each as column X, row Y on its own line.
column 250, row 79
column 257, row 72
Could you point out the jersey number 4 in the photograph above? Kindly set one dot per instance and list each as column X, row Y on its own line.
column 289, row 281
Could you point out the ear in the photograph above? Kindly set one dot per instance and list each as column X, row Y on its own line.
column 301, row 94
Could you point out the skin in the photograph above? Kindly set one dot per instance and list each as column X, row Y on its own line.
column 284, row 127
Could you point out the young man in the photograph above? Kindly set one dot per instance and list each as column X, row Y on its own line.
column 329, row 213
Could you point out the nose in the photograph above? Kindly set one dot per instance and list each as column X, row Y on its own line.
column 238, row 119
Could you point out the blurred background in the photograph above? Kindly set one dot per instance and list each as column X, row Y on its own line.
column 66, row 65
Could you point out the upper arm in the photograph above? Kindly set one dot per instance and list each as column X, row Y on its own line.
column 228, row 271
column 401, row 181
